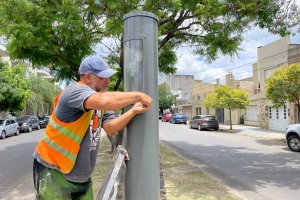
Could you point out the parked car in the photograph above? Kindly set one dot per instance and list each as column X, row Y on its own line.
column 166, row 117
column 44, row 121
column 292, row 137
column 28, row 123
column 204, row 122
column 178, row 119
column 8, row 127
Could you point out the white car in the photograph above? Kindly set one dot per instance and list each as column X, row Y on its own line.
column 292, row 137
column 8, row 127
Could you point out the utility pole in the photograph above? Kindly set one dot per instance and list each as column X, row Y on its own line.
column 141, row 74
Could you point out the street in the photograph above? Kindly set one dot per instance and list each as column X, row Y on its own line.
column 258, row 169
column 16, row 160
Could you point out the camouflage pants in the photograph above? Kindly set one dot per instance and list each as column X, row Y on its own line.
column 51, row 184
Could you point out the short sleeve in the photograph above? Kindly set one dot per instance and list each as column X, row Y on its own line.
column 70, row 105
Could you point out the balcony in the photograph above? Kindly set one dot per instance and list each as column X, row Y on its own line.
column 184, row 102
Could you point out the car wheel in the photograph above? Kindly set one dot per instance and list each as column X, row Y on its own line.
column 190, row 125
column 17, row 131
column 3, row 135
column 294, row 143
column 199, row 127
column 29, row 129
column 38, row 127
column 216, row 129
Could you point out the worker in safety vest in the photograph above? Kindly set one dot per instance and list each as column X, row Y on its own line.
column 65, row 157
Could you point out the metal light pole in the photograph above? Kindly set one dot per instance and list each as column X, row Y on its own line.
column 140, row 74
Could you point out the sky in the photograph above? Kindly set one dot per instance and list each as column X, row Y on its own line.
column 190, row 64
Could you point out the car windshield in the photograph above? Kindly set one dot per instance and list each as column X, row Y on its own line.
column 1, row 122
column 24, row 118
column 209, row 117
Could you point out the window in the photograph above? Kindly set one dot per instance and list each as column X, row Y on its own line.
column 198, row 111
column 277, row 113
column 284, row 112
column 270, row 113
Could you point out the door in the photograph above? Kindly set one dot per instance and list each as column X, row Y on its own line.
column 8, row 128
column 220, row 115
column 14, row 126
column 278, row 118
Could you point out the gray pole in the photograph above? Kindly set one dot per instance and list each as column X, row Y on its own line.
column 140, row 74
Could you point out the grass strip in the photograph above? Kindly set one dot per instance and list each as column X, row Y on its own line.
column 183, row 180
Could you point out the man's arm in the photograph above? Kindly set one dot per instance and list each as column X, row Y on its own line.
column 120, row 122
column 116, row 100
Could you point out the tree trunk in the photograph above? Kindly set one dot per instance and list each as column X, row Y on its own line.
column 230, row 119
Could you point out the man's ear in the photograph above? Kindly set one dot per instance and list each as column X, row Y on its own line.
column 86, row 78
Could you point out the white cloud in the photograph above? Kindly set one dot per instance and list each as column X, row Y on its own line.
column 240, row 66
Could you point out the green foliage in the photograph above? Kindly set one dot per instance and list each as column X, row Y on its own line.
column 211, row 101
column 227, row 97
column 231, row 98
column 41, row 92
column 13, row 88
column 57, row 34
column 60, row 33
column 284, row 85
column 165, row 97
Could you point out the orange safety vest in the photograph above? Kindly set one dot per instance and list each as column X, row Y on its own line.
column 62, row 140
column 97, row 121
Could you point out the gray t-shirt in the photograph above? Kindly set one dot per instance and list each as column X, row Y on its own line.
column 70, row 108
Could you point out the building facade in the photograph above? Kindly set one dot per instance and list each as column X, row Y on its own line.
column 270, row 58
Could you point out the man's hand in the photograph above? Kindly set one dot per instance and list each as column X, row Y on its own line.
column 140, row 108
column 145, row 100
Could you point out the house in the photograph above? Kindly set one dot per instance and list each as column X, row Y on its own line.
column 181, row 88
column 199, row 92
column 237, row 116
column 261, row 111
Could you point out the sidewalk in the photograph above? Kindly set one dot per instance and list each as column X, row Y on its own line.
column 252, row 131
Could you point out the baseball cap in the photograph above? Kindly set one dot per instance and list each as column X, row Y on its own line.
column 93, row 65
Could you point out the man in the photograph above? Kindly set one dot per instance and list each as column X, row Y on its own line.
column 65, row 158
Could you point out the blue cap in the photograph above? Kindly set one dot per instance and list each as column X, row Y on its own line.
column 93, row 65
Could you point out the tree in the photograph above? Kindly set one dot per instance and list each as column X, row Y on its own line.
column 229, row 98
column 41, row 92
column 284, row 85
column 14, row 88
column 210, row 27
column 59, row 34
column 165, row 97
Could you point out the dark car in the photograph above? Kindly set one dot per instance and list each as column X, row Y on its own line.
column 166, row 117
column 28, row 123
column 204, row 122
column 178, row 119
column 44, row 121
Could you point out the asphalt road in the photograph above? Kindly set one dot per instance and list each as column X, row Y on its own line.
column 16, row 160
column 257, row 169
